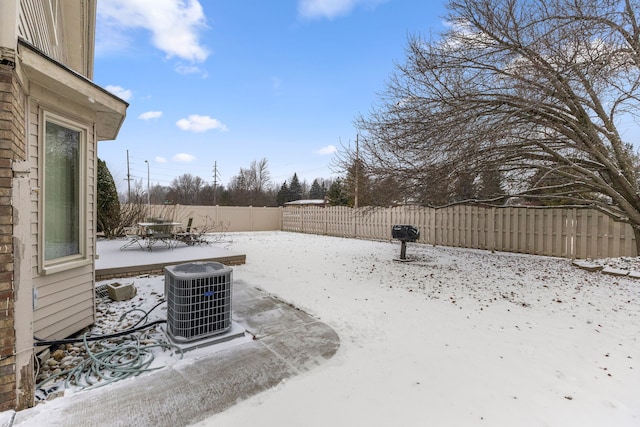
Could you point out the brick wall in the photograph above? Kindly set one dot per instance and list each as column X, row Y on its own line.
column 7, row 331
column 12, row 148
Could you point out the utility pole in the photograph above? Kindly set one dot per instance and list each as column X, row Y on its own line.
column 215, row 181
column 355, row 202
column 148, row 193
column 128, row 179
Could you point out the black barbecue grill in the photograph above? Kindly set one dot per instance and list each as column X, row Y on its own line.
column 405, row 233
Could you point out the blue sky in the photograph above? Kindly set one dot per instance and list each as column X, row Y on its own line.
column 230, row 82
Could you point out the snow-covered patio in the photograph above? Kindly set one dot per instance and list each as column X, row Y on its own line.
column 456, row 337
column 136, row 259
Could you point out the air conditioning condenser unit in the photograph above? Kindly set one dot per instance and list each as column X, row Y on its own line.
column 198, row 300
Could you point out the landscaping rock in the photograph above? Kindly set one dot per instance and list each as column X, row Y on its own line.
column 587, row 265
column 615, row 271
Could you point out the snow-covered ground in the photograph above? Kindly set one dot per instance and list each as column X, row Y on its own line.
column 455, row 337
column 458, row 337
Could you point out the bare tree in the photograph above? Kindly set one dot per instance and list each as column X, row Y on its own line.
column 134, row 210
column 158, row 194
column 260, row 175
column 211, row 195
column 521, row 88
column 185, row 190
column 253, row 186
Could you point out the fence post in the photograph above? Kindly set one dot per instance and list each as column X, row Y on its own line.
column 493, row 220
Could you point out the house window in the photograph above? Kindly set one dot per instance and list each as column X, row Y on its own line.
column 62, row 214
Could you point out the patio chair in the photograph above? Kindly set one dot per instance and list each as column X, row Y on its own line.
column 186, row 236
column 133, row 236
column 190, row 236
column 198, row 238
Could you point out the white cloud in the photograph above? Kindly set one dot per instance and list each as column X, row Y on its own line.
column 174, row 24
column 324, row 151
column 190, row 69
column 159, row 159
column 120, row 92
column 330, row 9
column 183, row 157
column 150, row 115
column 197, row 123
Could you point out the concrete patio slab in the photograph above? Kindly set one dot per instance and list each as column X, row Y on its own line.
column 286, row 342
column 177, row 396
column 112, row 262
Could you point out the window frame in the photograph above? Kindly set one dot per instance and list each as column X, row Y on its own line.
column 82, row 257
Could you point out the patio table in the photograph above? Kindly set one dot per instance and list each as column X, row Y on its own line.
column 159, row 232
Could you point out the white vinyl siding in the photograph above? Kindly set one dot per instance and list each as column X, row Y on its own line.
column 65, row 303
column 63, row 287
column 61, row 29
column 40, row 23
column 54, row 63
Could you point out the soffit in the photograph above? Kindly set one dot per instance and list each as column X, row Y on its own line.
column 110, row 110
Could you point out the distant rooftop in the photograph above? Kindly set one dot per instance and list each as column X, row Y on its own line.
column 307, row 202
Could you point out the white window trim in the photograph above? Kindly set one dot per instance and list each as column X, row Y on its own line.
column 82, row 258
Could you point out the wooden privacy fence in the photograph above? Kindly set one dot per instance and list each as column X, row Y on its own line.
column 569, row 233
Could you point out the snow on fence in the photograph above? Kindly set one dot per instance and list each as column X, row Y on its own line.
column 570, row 233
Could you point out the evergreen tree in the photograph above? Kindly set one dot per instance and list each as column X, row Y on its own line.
column 108, row 215
column 358, row 183
column 337, row 194
column 283, row 195
column 385, row 192
column 317, row 191
column 490, row 185
column 295, row 189
column 464, row 187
